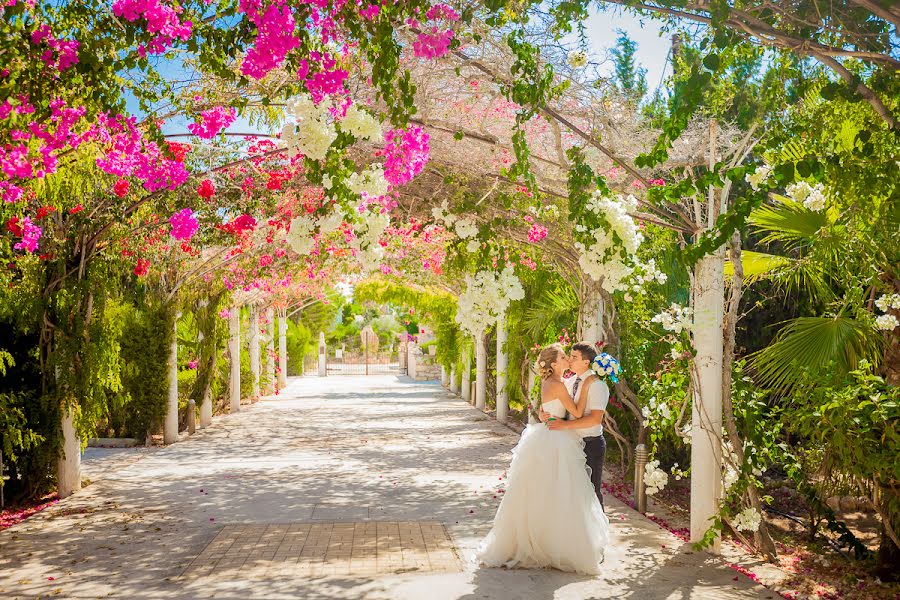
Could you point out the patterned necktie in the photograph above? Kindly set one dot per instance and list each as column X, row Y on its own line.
column 575, row 389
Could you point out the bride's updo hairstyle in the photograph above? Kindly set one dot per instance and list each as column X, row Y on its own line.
column 548, row 356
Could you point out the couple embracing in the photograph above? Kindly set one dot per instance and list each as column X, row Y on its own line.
column 552, row 512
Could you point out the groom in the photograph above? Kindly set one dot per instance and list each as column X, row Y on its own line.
column 590, row 425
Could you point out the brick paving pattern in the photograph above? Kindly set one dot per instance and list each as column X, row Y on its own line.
column 311, row 549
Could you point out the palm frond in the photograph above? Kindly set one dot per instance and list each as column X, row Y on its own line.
column 788, row 273
column 788, row 222
column 557, row 304
column 814, row 343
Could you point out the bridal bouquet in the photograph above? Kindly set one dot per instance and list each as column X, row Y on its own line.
column 605, row 365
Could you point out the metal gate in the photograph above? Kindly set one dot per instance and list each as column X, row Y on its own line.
column 361, row 354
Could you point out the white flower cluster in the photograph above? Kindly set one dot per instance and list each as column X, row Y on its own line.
column 655, row 410
column 370, row 183
column 577, row 59
column 601, row 260
column 368, row 250
column 487, row 296
column 473, row 246
column 748, row 519
column 300, row 237
column 812, row 197
column 361, row 124
column 758, row 177
column 313, row 133
column 647, row 272
column 884, row 304
column 887, row 302
column 655, row 479
column 886, row 322
column 331, row 221
column 465, row 228
column 676, row 318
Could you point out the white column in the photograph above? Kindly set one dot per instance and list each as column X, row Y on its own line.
column 68, row 465
column 253, row 334
column 323, row 355
column 706, row 414
column 206, row 411
column 590, row 314
column 454, row 386
column 467, row 368
column 413, row 357
column 444, row 377
column 534, row 400
column 282, row 351
column 502, row 366
column 170, row 427
column 270, row 351
column 480, row 372
column 234, row 350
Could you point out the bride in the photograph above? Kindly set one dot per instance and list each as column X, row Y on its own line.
column 550, row 515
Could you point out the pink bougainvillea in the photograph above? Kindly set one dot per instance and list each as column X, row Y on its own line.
column 206, row 189
column 59, row 54
column 184, row 224
column 30, row 233
column 120, row 188
column 162, row 22
column 406, row 153
column 142, row 266
column 212, row 122
column 275, row 38
column 537, row 233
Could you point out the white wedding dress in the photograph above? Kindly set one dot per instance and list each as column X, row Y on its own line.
column 550, row 515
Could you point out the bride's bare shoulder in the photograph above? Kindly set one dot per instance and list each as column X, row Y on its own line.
column 553, row 387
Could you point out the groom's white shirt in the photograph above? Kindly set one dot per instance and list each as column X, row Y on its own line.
column 598, row 399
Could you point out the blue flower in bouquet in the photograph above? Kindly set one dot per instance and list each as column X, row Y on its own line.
column 605, row 366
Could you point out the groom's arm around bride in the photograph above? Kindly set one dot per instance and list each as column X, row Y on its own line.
column 590, row 427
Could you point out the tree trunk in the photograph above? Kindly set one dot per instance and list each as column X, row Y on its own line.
column 590, row 313
column 480, row 371
column 706, row 416
column 253, row 334
column 502, row 366
column 763, row 540
column 170, row 428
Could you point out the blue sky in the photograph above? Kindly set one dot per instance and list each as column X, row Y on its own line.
column 601, row 28
column 652, row 49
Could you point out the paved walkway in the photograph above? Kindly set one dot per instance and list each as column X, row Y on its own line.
column 344, row 487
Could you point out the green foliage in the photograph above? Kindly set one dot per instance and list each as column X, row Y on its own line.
column 630, row 78
column 145, row 341
column 300, row 343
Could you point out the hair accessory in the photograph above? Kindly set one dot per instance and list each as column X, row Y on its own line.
column 543, row 363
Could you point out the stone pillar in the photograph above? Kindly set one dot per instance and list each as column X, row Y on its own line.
column 445, row 380
column 68, row 465
column 413, row 357
column 502, row 366
column 270, row 351
column 706, row 413
column 282, row 351
column 234, row 350
column 206, row 411
column 467, row 368
column 480, row 372
column 323, row 356
column 170, row 427
column 454, row 380
column 253, row 334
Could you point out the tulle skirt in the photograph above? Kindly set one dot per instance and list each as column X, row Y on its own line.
column 550, row 515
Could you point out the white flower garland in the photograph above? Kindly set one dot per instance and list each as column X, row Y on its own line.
column 300, row 237
column 312, row 134
column 487, row 297
column 602, row 259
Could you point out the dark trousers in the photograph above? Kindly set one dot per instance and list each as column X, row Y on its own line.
column 595, row 451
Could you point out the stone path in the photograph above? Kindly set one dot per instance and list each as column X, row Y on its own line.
column 342, row 487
